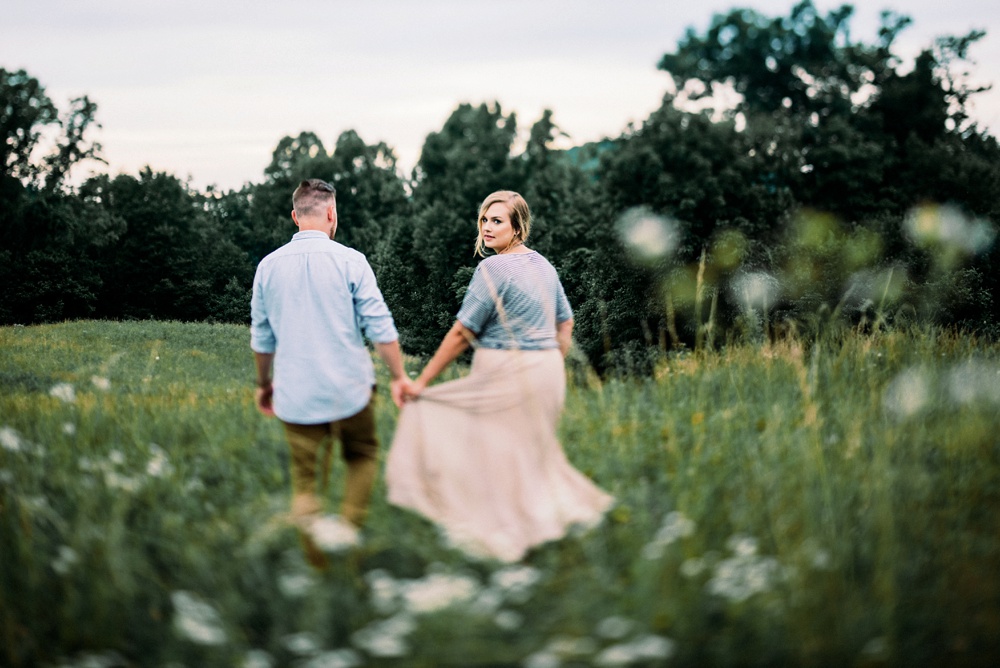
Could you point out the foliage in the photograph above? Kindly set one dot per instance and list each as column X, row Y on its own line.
column 823, row 503
column 803, row 183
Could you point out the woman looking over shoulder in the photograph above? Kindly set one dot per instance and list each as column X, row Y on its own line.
column 479, row 455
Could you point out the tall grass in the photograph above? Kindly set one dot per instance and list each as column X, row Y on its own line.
column 796, row 503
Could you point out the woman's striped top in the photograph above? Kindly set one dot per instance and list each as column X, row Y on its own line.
column 514, row 302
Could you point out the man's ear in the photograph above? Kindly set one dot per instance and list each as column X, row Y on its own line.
column 295, row 218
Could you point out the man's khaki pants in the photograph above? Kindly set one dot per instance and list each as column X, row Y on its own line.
column 359, row 448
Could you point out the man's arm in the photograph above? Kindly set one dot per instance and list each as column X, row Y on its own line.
column 393, row 358
column 264, row 392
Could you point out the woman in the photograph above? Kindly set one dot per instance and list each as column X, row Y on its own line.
column 479, row 455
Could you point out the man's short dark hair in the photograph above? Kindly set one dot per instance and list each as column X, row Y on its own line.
column 313, row 194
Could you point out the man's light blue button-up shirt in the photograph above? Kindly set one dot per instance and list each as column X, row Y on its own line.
column 313, row 302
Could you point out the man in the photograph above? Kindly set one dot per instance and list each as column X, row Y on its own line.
column 313, row 299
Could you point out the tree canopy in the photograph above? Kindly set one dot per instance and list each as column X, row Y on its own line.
column 842, row 184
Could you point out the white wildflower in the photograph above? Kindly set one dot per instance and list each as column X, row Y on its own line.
column 303, row 644
column 755, row 291
column 615, row 655
column 158, row 465
column 646, row 235
column 644, row 648
column 101, row 383
column 571, row 646
column 295, row 585
column 116, row 457
column 742, row 545
column 438, row 591
column 10, row 440
column 516, row 582
column 196, row 620
column 675, row 526
column 949, row 227
column 487, row 602
column 386, row 638
column 63, row 392
column 69, row 428
column 907, row 394
column 742, row 576
column 692, row 567
column 257, row 658
column 508, row 620
column 653, row 647
column 974, row 380
column 117, row 481
column 338, row 658
column 653, row 550
column 614, row 627
column 333, row 533
column 542, row 659
column 65, row 560
column 384, row 590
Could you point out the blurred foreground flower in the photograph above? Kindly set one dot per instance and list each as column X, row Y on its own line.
column 746, row 573
column 516, row 582
column 870, row 288
column 65, row 560
column 257, row 658
column 295, row 585
column 158, row 466
column 10, row 440
column 675, row 526
column 755, row 291
column 303, row 644
column 332, row 533
column 614, row 627
column 196, row 620
column 647, row 236
column 947, row 227
column 907, row 394
column 438, row 591
column 63, row 392
column 973, row 381
column 386, row 638
column 338, row 658
column 101, row 383
column 643, row 648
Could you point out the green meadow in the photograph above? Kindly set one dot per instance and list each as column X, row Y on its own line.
column 831, row 502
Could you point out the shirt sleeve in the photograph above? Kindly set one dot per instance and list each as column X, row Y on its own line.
column 262, row 339
column 479, row 303
column 563, row 310
column 371, row 310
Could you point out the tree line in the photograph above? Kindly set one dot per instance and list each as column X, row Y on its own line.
column 845, row 188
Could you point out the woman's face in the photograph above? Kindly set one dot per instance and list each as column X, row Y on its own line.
column 498, row 233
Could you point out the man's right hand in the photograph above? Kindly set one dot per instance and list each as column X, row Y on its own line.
column 400, row 389
column 263, row 396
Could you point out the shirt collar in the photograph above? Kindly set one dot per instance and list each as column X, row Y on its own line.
column 309, row 234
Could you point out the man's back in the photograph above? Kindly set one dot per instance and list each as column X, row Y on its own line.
column 314, row 299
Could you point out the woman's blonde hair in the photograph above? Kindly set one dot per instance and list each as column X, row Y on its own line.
column 517, row 208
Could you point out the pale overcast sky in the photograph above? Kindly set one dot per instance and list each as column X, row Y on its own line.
column 205, row 89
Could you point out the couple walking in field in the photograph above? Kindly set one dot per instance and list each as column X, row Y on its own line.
column 479, row 455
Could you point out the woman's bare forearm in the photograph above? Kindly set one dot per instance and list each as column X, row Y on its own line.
column 454, row 343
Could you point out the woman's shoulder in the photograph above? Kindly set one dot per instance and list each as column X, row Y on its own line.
column 512, row 258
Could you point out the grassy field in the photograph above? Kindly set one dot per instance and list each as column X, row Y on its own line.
column 802, row 503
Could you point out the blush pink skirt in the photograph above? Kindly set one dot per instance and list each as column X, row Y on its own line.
column 479, row 457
